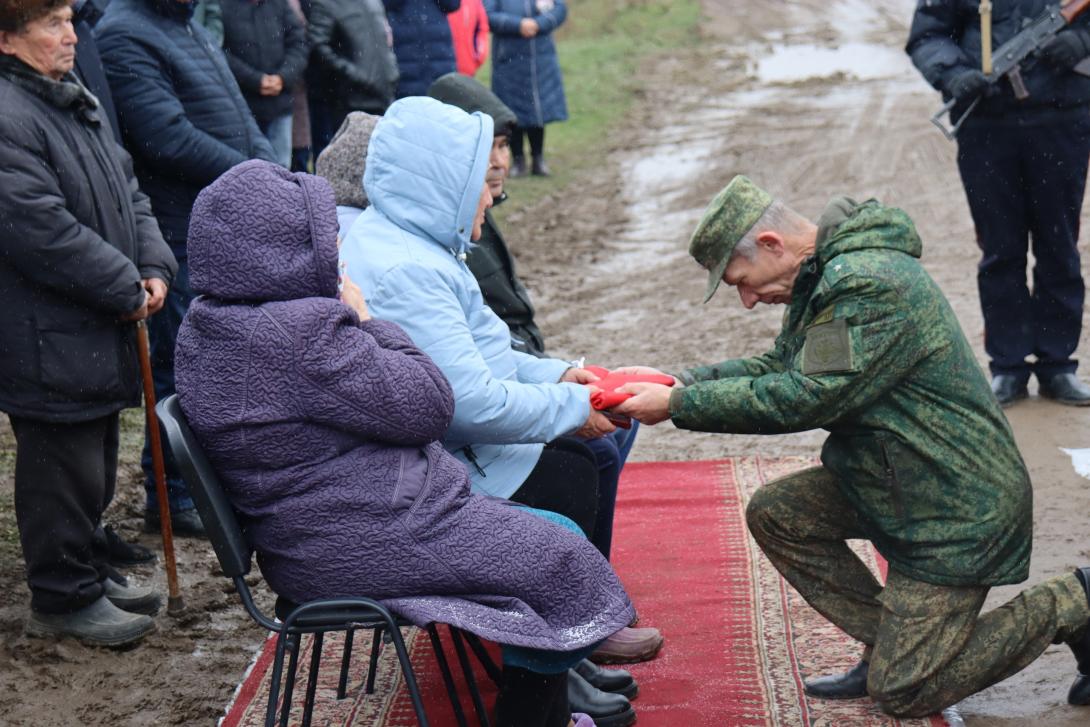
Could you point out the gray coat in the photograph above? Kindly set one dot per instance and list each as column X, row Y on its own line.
column 76, row 237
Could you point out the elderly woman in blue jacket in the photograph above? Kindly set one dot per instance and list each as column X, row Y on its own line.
column 425, row 179
column 526, row 73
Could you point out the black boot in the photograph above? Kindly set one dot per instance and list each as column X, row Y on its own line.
column 849, row 685
column 538, row 167
column 617, row 681
column 1079, row 694
column 605, row 708
column 1065, row 389
column 1008, row 388
column 518, row 167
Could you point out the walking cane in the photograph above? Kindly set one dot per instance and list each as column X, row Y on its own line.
column 986, row 36
column 175, row 605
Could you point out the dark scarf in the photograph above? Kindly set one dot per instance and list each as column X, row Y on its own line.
column 68, row 94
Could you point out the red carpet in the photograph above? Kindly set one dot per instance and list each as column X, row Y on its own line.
column 739, row 642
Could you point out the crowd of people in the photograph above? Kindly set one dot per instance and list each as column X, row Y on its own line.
column 357, row 354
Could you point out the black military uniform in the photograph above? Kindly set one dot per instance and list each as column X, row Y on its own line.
column 1023, row 164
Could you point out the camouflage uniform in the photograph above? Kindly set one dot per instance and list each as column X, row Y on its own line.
column 920, row 461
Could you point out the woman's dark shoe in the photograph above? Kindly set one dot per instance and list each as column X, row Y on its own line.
column 185, row 523
column 1008, row 389
column 605, row 708
column 539, row 168
column 850, row 685
column 121, row 554
column 617, row 681
column 518, row 167
column 1064, row 389
column 629, row 646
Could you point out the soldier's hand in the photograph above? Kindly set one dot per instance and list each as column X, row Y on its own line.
column 968, row 85
column 1066, row 49
column 596, row 425
column 650, row 403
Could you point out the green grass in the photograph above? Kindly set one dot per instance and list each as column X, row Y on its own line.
column 602, row 47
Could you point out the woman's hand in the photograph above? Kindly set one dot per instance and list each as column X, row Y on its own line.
column 528, row 28
column 352, row 296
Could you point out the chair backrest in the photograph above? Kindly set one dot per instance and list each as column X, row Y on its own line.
column 215, row 508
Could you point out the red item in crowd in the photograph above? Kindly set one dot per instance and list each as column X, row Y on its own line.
column 608, row 381
column 469, row 34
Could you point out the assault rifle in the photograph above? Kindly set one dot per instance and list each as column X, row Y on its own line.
column 1010, row 56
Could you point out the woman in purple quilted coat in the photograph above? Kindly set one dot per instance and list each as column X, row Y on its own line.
column 324, row 424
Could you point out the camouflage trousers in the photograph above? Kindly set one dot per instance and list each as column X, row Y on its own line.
column 928, row 646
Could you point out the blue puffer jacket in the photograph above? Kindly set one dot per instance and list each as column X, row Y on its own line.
column 425, row 171
column 183, row 117
column 422, row 42
column 525, row 71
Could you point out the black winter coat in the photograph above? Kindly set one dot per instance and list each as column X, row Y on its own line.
column 422, row 42
column 945, row 41
column 492, row 265
column 352, row 67
column 76, row 237
column 182, row 115
column 89, row 63
column 264, row 37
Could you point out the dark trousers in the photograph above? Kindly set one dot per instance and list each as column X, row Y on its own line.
column 162, row 335
column 64, row 478
column 1026, row 183
column 536, row 135
column 564, row 481
column 610, row 453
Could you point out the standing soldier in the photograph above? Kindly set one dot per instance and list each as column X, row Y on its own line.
column 1023, row 164
column 919, row 460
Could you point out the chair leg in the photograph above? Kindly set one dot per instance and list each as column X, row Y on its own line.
column 289, row 687
column 274, row 682
column 493, row 671
column 312, row 678
column 471, row 680
column 407, row 670
column 376, row 643
column 448, row 678
column 346, row 659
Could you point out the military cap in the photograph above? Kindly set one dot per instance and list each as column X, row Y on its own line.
column 725, row 222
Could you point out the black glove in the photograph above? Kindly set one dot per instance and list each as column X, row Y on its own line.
column 1066, row 49
column 968, row 85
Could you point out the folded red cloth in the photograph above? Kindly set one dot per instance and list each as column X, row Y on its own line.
column 608, row 381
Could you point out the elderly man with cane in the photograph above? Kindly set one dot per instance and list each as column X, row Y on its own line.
column 919, row 460
column 81, row 259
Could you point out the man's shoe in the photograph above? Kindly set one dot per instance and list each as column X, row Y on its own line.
column 617, row 681
column 539, row 168
column 850, row 685
column 1064, row 389
column 100, row 624
column 605, row 708
column 1008, row 389
column 628, row 646
column 121, row 554
column 1079, row 694
column 518, row 167
column 133, row 599
column 185, row 523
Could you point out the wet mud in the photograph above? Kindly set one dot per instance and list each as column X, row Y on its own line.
column 811, row 98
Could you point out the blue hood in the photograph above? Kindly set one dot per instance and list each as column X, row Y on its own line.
column 425, row 169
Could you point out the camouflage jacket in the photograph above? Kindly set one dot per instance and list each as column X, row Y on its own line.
column 871, row 351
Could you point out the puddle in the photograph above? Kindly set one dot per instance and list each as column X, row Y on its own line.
column 1080, row 460
column 864, row 61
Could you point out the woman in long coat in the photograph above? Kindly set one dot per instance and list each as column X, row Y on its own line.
column 324, row 424
column 526, row 72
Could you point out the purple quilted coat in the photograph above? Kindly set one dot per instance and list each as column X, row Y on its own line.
column 324, row 431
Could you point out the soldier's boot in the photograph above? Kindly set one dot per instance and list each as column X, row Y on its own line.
column 1079, row 694
column 851, row 684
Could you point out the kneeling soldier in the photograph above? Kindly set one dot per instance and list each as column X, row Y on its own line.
column 920, row 460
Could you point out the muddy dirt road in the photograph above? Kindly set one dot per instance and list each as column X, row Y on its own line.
column 810, row 98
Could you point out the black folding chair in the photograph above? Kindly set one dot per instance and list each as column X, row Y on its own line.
column 314, row 617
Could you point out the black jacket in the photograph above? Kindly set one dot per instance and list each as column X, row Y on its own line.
column 76, row 237
column 264, row 37
column 183, row 117
column 945, row 41
column 492, row 265
column 89, row 63
column 352, row 66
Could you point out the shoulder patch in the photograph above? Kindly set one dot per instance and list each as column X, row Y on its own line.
column 828, row 347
